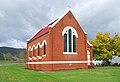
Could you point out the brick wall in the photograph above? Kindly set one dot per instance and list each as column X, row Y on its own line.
column 55, row 47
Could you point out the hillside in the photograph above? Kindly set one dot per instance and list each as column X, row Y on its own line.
column 13, row 51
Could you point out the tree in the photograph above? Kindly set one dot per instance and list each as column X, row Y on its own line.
column 115, row 44
column 104, row 46
column 1, row 56
column 21, row 56
column 8, row 56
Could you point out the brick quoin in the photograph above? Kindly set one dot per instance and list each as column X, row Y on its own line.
column 55, row 58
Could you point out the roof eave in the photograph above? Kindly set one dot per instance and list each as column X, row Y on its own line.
column 34, row 34
column 89, row 43
column 51, row 26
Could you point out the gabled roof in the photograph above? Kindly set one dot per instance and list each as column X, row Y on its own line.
column 41, row 32
column 52, row 25
column 44, row 30
column 89, row 43
column 69, row 10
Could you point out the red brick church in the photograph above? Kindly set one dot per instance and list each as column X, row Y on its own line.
column 61, row 45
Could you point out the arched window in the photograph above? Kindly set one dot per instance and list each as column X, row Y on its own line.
column 70, row 40
column 65, row 42
column 44, row 48
column 38, row 50
column 44, row 45
column 30, row 53
column 33, row 52
column 74, row 43
column 70, row 36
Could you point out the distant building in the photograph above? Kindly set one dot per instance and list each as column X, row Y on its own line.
column 61, row 45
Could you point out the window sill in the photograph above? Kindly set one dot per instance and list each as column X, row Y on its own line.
column 30, row 58
column 44, row 55
column 70, row 53
column 34, row 58
column 39, row 57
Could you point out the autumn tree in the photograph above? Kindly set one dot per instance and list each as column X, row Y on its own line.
column 21, row 56
column 115, row 44
column 8, row 56
column 104, row 46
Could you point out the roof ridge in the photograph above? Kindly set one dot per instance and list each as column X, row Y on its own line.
column 35, row 34
column 42, row 28
column 59, row 18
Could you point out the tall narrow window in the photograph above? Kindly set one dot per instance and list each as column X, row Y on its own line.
column 44, row 48
column 74, row 43
column 70, row 40
column 33, row 51
column 65, row 42
column 38, row 50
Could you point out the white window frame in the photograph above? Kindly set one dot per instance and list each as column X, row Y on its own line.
column 33, row 49
column 74, row 32
column 44, row 55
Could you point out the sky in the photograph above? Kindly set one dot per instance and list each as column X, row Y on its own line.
column 20, row 19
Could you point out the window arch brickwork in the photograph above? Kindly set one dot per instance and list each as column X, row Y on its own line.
column 70, row 36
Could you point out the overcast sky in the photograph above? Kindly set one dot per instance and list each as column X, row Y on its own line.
column 20, row 19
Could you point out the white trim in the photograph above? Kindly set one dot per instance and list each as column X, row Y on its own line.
column 35, row 47
column 32, row 47
column 88, row 56
column 39, row 45
column 43, row 42
column 51, row 26
column 34, row 58
column 29, row 49
column 44, row 55
column 70, row 53
column 39, row 57
column 89, row 43
column 85, row 32
column 73, row 31
column 58, row 62
column 59, row 19
column 33, row 50
column 30, row 58
column 88, row 52
column 34, row 34
column 89, row 62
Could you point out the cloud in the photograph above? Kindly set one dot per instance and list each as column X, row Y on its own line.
column 99, row 16
column 13, row 43
column 2, row 14
column 20, row 19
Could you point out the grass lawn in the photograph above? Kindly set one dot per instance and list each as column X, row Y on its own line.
column 16, row 72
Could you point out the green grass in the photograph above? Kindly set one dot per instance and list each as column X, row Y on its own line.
column 16, row 72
